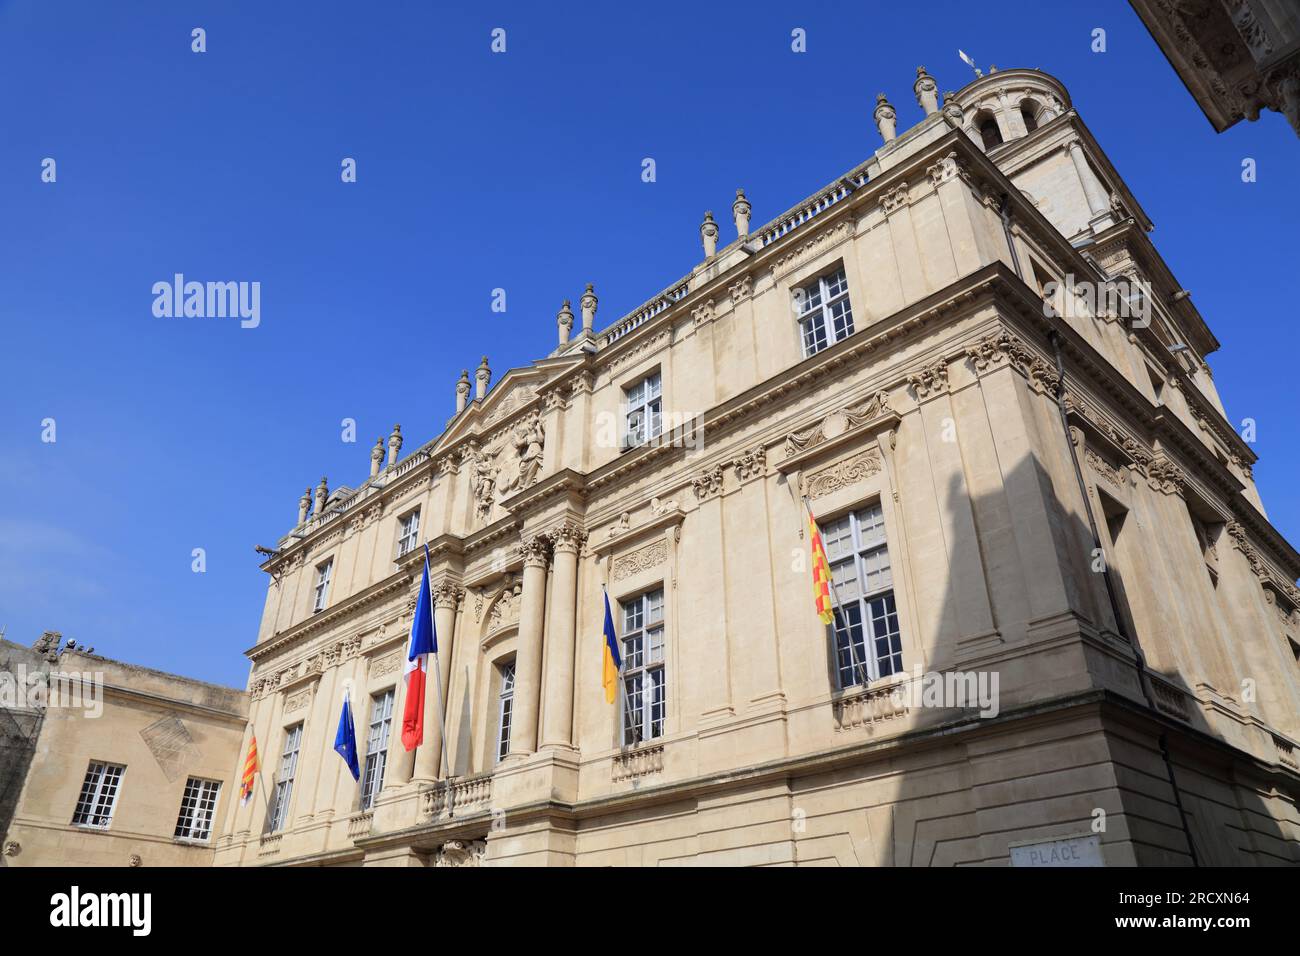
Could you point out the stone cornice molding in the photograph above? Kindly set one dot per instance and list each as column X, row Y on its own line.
column 331, row 617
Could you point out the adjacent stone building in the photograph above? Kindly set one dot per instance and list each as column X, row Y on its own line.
column 122, row 765
column 1063, row 613
column 1236, row 57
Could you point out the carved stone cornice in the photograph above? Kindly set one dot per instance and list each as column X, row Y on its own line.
column 281, row 641
column 813, row 246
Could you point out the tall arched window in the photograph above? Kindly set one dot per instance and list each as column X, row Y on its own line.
column 989, row 132
column 1029, row 110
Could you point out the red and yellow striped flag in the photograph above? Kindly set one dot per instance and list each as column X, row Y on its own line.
column 250, row 770
column 821, row 571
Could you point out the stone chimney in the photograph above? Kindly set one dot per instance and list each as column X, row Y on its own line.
column 322, row 493
column 740, row 210
column 564, row 319
column 304, row 503
column 482, row 379
column 927, row 91
column 376, row 457
column 462, row 390
column 394, row 446
column 885, row 118
column 709, row 233
column 588, row 304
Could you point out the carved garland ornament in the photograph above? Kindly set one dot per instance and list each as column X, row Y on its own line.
column 837, row 423
column 652, row 555
column 842, row 474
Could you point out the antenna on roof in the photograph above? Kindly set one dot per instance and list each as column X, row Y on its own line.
column 969, row 62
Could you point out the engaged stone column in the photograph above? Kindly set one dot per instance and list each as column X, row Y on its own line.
column 528, row 657
column 1097, row 201
column 428, row 756
column 558, row 728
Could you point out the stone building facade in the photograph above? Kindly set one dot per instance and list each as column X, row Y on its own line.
column 1236, row 57
column 124, row 766
column 1019, row 483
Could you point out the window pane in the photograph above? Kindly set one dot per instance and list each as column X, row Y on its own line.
column 850, row 650
column 658, row 703
column 633, row 714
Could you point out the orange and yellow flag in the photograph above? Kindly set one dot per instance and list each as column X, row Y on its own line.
column 250, row 770
column 821, row 572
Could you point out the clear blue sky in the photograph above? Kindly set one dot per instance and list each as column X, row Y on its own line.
column 476, row 171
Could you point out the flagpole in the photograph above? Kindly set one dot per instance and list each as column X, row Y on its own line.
column 837, row 613
column 442, row 708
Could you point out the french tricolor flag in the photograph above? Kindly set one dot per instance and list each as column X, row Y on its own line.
column 424, row 641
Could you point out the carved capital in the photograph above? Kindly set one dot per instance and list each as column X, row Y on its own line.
column 751, row 464
column 708, row 483
column 535, row 550
column 932, row 380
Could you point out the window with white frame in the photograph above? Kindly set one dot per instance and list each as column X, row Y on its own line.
column 98, row 795
column 409, row 532
column 284, row 779
column 825, row 316
column 381, row 722
column 323, row 572
column 645, row 694
column 868, row 645
column 198, row 807
column 644, row 410
column 505, row 705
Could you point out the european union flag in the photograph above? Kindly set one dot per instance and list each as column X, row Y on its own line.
column 345, row 741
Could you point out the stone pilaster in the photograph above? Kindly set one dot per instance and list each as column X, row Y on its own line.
column 428, row 757
column 528, row 658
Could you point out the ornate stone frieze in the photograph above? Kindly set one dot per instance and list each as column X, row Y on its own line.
column 813, row 246
column 837, row 423
column 643, row 559
column 704, row 313
column 896, row 198
column 742, row 289
column 298, row 700
column 708, row 483
column 1104, row 468
column 1166, row 477
column 751, row 464
column 387, row 664
column 842, row 474
column 931, row 380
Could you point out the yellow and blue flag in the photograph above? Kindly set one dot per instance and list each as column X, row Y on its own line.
column 612, row 660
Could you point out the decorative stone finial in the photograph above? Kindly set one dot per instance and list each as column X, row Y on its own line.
column 304, row 503
column 376, row 457
column 927, row 91
column 951, row 108
column 482, row 379
column 322, row 494
column 394, row 446
column 462, row 390
column 885, row 118
column 564, row 319
column 709, row 233
column 740, row 210
column 588, row 304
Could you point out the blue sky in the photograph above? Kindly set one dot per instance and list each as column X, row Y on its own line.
column 476, row 171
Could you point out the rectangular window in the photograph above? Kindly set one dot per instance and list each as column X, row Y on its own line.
column 644, row 411
column 198, row 807
column 409, row 535
column 505, row 704
column 322, row 585
column 381, row 721
column 645, row 695
column 825, row 316
column 868, row 645
column 98, row 795
column 284, row 779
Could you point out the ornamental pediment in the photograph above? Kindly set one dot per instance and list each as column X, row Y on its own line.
column 839, row 428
